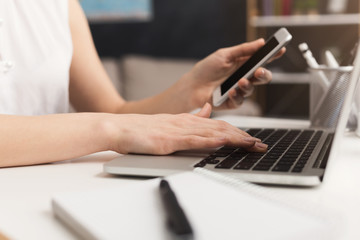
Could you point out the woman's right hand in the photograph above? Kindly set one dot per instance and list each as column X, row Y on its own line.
column 163, row 134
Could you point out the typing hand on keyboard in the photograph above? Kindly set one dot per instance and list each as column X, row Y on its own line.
column 288, row 150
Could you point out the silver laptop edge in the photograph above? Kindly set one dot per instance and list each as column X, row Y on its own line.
column 346, row 109
column 154, row 166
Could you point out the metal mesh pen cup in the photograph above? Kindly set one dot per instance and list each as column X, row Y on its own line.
column 328, row 88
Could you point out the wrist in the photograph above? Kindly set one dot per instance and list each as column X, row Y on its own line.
column 118, row 131
column 194, row 95
column 106, row 131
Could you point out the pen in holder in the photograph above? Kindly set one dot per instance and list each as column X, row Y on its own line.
column 326, row 103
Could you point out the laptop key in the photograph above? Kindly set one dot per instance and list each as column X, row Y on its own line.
column 297, row 169
column 268, row 161
column 281, row 168
column 285, row 164
column 236, row 158
column 253, row 131
column 227, row 163
column 243, row 166
column 262, row 163
column 299, row 165
column 302, row 161
column 220, row 154
column 262, row 168
column 209, row 157
column 202, row 163
column 287, row 159
column 249, row 161
column 212, row 161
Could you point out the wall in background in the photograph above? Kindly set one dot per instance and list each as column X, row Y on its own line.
column 179, row 29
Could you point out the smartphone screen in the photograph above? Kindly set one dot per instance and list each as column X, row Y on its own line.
column 249, row 64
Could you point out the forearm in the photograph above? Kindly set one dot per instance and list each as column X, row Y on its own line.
column 91, row 89
column 27, row 140
column 179, row 98
column 42, row 139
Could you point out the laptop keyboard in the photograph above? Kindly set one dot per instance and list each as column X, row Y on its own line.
column 288, row 151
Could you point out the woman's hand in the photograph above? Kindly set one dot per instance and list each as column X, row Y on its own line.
column 209, row 73
column 165, row 133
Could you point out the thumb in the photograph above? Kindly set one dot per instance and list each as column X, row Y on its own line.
column 205, row 112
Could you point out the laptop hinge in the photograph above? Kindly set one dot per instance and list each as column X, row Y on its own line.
column 324, row 153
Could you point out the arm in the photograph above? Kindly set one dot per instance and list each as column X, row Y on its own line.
column 91, row 89
column 43, row 139
column 27, row 140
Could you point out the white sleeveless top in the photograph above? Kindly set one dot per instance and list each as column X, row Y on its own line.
column 35, row 57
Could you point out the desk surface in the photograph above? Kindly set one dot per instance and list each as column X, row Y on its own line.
column 25, row 202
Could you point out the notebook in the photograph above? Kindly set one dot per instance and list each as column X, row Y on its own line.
column 295, row 156
column 217, row 207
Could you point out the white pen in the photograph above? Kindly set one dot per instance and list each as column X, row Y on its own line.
column 311, row 61
column 331, row 60
column 332, row 64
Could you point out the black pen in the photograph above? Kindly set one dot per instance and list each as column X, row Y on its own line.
column 177, row 221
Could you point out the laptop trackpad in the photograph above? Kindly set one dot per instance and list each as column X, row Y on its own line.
column 153, row 166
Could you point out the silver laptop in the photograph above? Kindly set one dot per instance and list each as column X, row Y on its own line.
column 297, row 157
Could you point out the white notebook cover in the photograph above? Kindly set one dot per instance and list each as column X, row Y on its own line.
column 217, row 208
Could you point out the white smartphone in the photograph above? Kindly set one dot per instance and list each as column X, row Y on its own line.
column 272, row 46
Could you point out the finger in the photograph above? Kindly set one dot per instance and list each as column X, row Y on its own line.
column 229, row 103
column 216, row 130
column 205, row 112
column 278, row 55
column 191, row 124
column 245, row 49
column 251, row 144
column 213, row 128
column 231, row 131
column 261, row 76
column 258, row 147
column 235, row 98
column 246, row 88
column 241, row 60
column 196, row 142
column 244, row 58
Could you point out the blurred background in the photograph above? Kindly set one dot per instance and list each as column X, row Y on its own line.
column 146, row 45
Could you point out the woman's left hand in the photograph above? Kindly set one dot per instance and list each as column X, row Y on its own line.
column 210, row 72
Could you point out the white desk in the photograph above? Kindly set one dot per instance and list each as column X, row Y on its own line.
column 25, row 210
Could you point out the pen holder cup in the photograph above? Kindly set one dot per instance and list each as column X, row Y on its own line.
column 328, row 88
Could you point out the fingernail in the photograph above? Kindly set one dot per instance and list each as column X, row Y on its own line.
column 261, row 145
column 262, row 72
